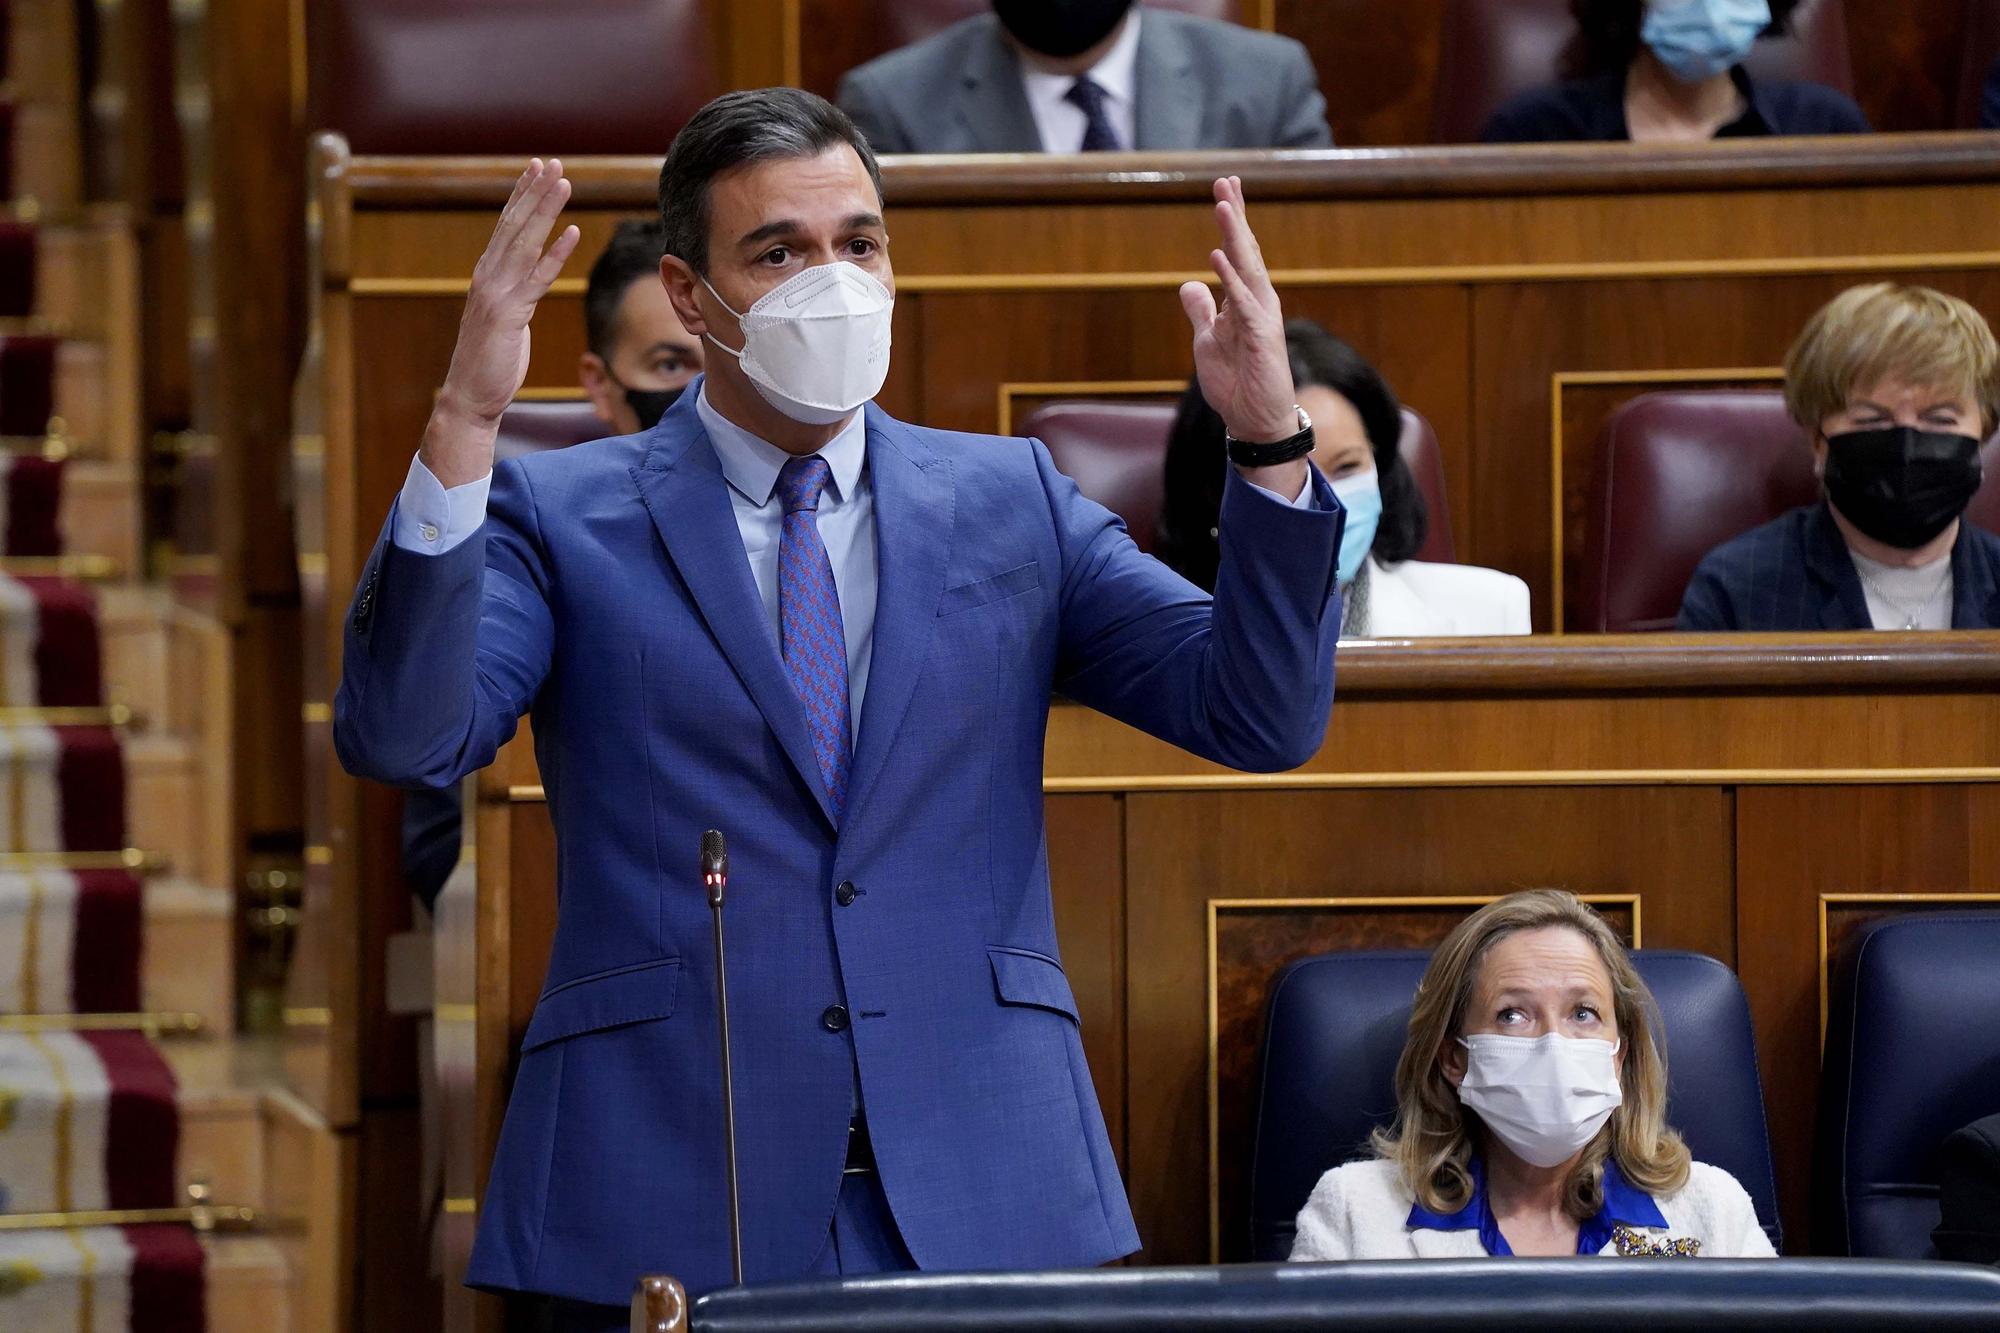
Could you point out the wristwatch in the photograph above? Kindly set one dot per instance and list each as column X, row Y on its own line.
column 1245, row 454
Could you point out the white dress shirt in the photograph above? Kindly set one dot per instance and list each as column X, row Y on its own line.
column 1061, row 121
column 431, row 520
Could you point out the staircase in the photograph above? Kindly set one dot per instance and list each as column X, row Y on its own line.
column 150, row 1168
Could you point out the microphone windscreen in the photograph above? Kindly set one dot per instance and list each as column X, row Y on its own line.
column 714, row 854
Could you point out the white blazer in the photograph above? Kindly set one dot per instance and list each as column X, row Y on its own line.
column 1360, row 1211
column 1416, row 599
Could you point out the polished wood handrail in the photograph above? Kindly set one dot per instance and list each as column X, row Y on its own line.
column 1457, row 171
column 1674, row 663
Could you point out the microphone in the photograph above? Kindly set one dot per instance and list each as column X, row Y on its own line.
column 715, row 877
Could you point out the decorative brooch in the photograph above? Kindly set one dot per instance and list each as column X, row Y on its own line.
column 1638, row 1245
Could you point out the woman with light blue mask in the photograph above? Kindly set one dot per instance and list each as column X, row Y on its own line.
column 1667, row 71
column 1357, row 433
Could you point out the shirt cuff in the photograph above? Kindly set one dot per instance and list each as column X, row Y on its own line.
column 1303, row 500
column 430, row 520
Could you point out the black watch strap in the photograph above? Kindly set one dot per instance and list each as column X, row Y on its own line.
column 1244, row 453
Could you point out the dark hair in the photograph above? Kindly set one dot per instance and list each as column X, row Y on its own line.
column 634, row 253
column 734, row 130
column 1196, row 466
column 1607, row 36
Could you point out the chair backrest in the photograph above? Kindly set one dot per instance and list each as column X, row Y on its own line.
column 1980, row 47
column 904, row 21
column 1912, row 1054
column 511, row 76
column 535, row 427
column 1678, row 474
column 1116, row 453
column 1336, row 1026
column 1490, row 50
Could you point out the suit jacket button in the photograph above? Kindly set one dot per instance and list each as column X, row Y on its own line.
column 846, row 893
column 835, row 1018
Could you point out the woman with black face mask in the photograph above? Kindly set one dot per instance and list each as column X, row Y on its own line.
column 1898, row 387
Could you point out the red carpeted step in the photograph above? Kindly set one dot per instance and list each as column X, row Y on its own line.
column 50, row 643
column 91, row 1121
column 17, row 242
column 62, row 789
column 27, row 380
column 31, row 491
column 168, row 1286
column 70, row 941
column 144, row 1279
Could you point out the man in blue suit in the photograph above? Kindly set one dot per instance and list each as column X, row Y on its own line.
column 833, row 635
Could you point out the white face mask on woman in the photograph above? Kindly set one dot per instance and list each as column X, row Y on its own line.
column 817, row 344
column 1544, row 1097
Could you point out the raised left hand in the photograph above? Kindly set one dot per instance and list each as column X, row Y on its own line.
column 1239, row 350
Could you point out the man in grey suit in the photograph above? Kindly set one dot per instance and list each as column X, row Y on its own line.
column 1066, row 76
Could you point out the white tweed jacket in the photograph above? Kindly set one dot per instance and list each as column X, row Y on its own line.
column 1361, row 1211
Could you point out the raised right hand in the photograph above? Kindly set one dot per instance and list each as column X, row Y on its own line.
column 490, row 362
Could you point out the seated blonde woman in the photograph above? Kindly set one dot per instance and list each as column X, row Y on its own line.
column 1531, row 1112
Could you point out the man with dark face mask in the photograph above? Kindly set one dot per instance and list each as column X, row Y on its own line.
column 640, row 357
column 1070, row 76
column 1898, row 386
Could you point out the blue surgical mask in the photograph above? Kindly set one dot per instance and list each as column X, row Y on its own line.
column 1699, row 39
column 1361, row 496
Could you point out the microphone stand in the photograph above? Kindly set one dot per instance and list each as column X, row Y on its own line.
column 715, row 876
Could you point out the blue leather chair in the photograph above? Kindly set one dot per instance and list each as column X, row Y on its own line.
column 1336, row 1027
column 1437, row 1295
column 1912, row 1054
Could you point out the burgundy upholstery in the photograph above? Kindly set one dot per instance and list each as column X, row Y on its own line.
column 17, row 266
column 1677, row 475
column 904, row 21
column 1980, row 48
column 535, row 427
column 511, row 76
column 1116, row 453
column 1680, row 473
column 1492, row 49
column 27, row 384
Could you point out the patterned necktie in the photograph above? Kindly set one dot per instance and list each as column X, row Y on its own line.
column 1098, row 136
column 810, row 631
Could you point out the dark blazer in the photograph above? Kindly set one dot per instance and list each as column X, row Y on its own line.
column 905, row 954
column 1593, row 110
column 1200, row 83
column 1969, row 1194
column 1989, row 99
column 1794, row 573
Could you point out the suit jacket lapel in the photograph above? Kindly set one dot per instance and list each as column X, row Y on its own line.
column 913, row 537
column 683, row 489
column 1842, row 603
column 993, row 110
column 1165, row 97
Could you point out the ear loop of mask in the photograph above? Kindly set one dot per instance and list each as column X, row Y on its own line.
column 733, row 313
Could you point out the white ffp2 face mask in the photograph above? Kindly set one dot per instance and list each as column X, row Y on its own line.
column 1544, row 1097
column 816, row 345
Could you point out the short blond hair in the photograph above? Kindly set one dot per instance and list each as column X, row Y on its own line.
column 1431, row 1142
column 1887, row 329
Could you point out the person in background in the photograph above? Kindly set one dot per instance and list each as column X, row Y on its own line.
column 1663, row 71
column 1069, row 76
column 1357, row 431
column 639, row 359
column 1898, row 387
column 1969, row 1194
column 1531, row 1112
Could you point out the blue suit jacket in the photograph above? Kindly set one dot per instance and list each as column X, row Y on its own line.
column 1794, row 573
column 609, row 592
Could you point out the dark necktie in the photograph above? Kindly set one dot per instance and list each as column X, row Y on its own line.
column 1098, row 136
column 810, row 630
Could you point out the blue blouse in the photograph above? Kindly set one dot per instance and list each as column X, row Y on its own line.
column 1624, row 1204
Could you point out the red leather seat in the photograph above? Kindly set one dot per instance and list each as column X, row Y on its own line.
column 1490, row 50
column 901, row 22
column 512, row 76
column 1116, row 453
column 1680, row 473
column 535, row 427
